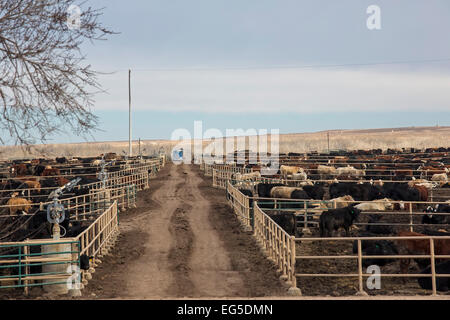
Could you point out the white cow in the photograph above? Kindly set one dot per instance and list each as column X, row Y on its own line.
column 300, row 176
column 351, row 171
column 96, row 162
column 441, row 177
column 290, row 170
column 341, row 202
column 282, row 192
column 247, row 176
column 376, row 205
column 321, row 169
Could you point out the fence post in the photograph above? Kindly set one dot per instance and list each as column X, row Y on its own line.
column 293, row 290
column 27, row 272
column 361, row 291
column 433, row 267
column 410, row 218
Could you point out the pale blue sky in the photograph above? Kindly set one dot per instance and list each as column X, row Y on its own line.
column 228, row 63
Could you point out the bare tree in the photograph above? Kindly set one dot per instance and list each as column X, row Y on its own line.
column 44, row 85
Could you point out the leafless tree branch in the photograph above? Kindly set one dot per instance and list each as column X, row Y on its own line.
column 44, row 86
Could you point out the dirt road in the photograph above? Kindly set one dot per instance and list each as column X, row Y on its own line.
column 183, row 240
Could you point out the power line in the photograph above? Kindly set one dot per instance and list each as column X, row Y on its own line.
column 291, row 66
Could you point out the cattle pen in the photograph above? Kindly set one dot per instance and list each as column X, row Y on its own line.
column 297, row 257
column 60, row 263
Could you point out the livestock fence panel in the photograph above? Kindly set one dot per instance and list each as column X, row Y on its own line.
column 40, row 262
column 96, row 239
column 221, row 177
column 280, row 246
column 360, row 256
column 411, row 216
column 277, row 243
column 240, row 204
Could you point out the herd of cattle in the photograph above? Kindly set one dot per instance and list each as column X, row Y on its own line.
column 342, row 203
column 25, row 184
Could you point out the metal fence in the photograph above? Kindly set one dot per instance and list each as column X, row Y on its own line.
column 221, row 177
column 281, row 248
column 360, row 256
column 22, row 264
column 240, row 204
column 277, row 243
column 99, row 237
column 19, row 260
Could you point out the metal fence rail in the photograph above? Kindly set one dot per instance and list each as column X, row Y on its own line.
column 277, row 243
column 220, row 178
column 359, row 273
column 96, row 240
column 17, row 259
column 240, row 204
column 280, row 247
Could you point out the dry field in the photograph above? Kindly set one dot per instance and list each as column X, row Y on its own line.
column 417, row 137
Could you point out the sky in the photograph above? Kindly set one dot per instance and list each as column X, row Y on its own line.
column 292, row 65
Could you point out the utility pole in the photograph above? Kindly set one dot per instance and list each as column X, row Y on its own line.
column 130, row 151
column 328, row 139
column 139, row 146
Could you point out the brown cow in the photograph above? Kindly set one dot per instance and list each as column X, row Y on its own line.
column 62, row 181
column 51, row 172
column 403, row 173
column 416, row 247
column 18, row 204
column 33, row 185
column 423, row 191
column 20, row 170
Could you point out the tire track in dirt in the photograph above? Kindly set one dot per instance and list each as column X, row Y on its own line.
column 212, row 274
column 181, row 251
column 150, row 275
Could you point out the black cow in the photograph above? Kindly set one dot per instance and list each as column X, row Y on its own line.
column 400, row 192
column 431, row 218
column 49, row 183
column 377, row 229
column 75, row 228
column 359, row 192
column 84, row 261
column 442, row 283
column 429, row 232
column 376, row 248
column 316, row 191
column 333, row 219
column 287, row 221
column 301, row 220
column 263, row 189
column 38, row 169
column 61, row 160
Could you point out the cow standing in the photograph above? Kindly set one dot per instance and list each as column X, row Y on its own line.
column 334, row 219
